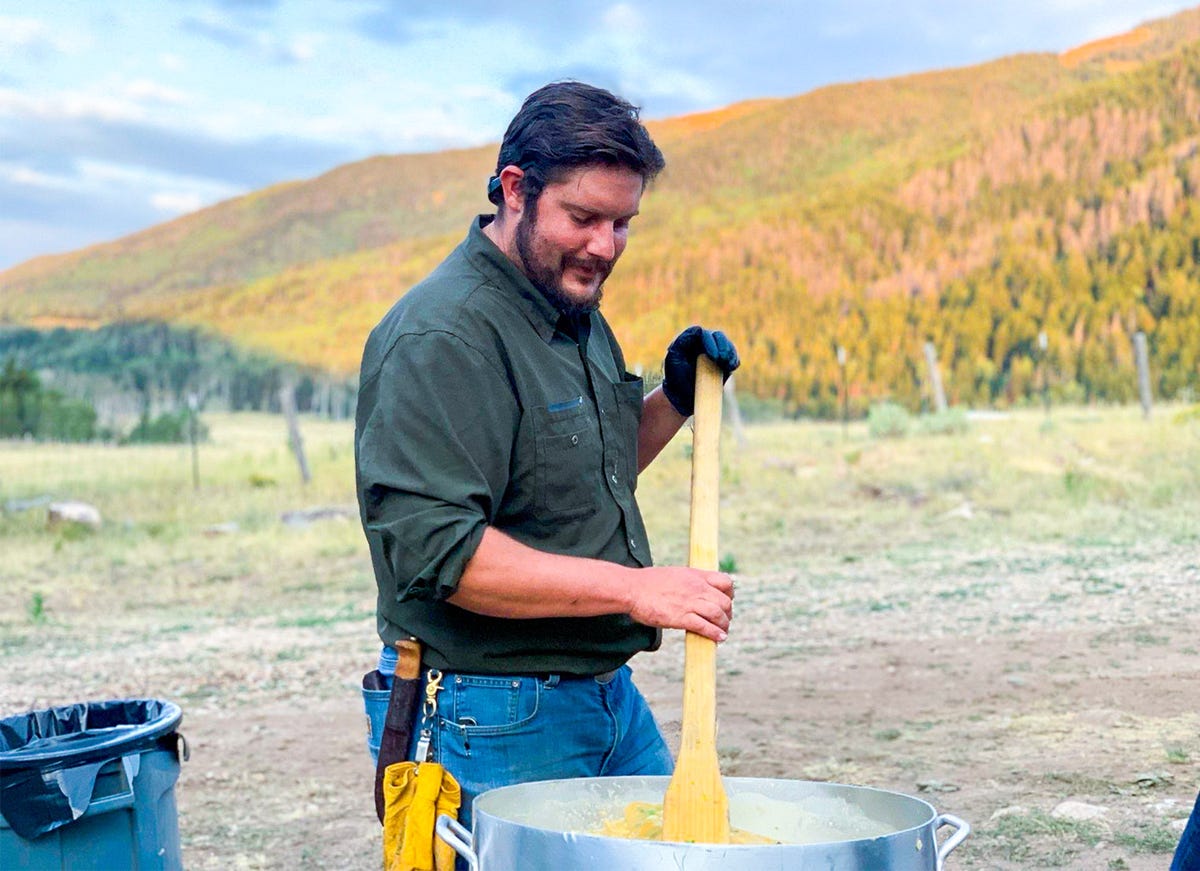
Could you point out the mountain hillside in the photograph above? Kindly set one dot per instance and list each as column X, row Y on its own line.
column 976, row 207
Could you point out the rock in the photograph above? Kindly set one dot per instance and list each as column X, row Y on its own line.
column 79, row 513
column 16, row 506
column 1152, row 779
column 1013, row 810
column 1078, row 811
column 781, row 464
column 227, row 528
column 873, row 491
column 963, row 512
column 936, row 786
column 303, row 517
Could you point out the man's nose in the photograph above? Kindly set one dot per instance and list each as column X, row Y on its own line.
column 603, row 243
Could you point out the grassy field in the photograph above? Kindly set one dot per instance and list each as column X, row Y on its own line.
column 998, row 620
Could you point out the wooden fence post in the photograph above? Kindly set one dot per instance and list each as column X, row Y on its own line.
column 1043, row 344
column 1141, row 355
column 287, row 402
column 735, row 414
column 935, row 377
column 845, row 391
column 193, row 405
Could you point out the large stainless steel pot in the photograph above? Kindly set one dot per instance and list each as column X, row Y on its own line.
column 543, row 825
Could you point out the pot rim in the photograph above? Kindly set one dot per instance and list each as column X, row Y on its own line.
column 744, row 784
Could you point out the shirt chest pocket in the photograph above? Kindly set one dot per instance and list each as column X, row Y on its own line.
column 628, row 396
column 569, row 457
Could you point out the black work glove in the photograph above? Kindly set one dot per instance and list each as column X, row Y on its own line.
column 679, row 368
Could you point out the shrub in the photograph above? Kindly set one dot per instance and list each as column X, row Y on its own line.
column 167, row 428
column 29, row 409
column 952, row 421
column 887, row 420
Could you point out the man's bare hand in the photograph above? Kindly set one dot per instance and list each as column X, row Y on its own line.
column 676, row 597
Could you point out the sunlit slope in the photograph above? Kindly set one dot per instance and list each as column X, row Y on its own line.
column 974, row 206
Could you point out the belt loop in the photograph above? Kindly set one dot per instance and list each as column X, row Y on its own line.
column 551, row 681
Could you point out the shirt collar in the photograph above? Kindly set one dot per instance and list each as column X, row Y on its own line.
column 494, row 263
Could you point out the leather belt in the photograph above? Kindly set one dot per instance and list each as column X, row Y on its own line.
column 603, row 677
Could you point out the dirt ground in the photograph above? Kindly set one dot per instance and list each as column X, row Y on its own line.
column 1018, row 681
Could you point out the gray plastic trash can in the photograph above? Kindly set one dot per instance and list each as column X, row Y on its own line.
column 91, row 787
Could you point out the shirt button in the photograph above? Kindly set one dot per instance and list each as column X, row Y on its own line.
column 574, row 439
column 614, row 478
column 632, row 544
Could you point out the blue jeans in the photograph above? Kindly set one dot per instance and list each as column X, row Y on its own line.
column 1187, row 854
column 498, row 730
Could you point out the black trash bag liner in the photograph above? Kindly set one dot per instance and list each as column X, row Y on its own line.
column 49, row 758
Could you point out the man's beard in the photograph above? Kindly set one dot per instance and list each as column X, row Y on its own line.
column 546, row 278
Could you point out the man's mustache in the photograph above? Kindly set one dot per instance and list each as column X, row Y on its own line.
column 595, row 264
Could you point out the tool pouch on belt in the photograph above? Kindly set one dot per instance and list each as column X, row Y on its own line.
column 401, row 714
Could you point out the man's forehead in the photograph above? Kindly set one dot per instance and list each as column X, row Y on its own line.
column 599, row 185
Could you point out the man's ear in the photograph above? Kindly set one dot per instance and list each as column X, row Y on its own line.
column 510, row 183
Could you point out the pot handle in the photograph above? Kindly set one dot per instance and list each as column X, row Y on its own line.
column 961, row 829
column 456, row 835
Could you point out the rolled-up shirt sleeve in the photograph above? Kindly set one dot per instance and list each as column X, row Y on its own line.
column 435, row 442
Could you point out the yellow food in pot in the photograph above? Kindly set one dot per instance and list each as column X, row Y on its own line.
column 643, row 821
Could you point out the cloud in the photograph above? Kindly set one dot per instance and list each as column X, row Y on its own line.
column 237, row 6
column 31, row 185
column 397, row 22
column 218, row 30
column 33, row 38
column 18, row 33
column 177, row 202
column 172, row 61
column 69, row 105
column 68, row 206
column 116, row 131
column 147, row 91
column 260, row 43
column 28, row 176
column 85, row 167
column 622, row 18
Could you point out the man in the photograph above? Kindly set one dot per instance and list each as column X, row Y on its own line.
column 498, row 441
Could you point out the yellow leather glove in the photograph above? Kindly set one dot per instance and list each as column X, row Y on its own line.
column 414, row 796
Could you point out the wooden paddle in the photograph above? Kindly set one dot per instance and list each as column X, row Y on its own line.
column 695, row 807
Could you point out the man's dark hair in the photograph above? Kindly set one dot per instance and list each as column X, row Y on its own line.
column 566, row 125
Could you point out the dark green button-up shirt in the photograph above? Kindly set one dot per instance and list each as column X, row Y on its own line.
column 479, row 407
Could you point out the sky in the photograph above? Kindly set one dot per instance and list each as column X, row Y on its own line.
column 115, row 116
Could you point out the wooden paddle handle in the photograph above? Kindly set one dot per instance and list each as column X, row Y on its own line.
column 700, row 669
column 695, row 807
column 706, row 466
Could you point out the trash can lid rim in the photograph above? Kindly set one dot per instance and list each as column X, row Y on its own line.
column 74, row 746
